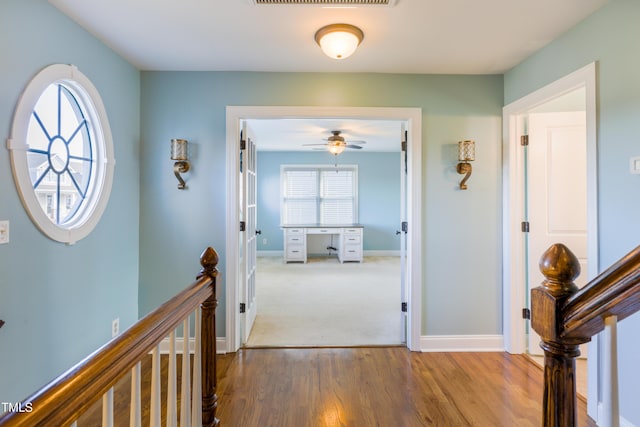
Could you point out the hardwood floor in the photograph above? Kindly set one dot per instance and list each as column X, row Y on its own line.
column 378, row 386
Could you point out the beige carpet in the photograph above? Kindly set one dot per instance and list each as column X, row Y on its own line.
column 325, row 303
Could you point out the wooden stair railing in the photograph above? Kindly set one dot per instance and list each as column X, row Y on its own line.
column 64, row 399
column 566, row 317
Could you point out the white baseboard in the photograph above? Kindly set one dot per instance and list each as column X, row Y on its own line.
column 221, row 345
column 269, row 253
column 365, row 253
column 381, row 253
column 456, row 343
column 623, row 422
column 429, row 343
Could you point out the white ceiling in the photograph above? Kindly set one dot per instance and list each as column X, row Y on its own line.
column 411, row 36
column 294, row 134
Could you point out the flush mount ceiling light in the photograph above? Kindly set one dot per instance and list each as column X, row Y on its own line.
column 327, row 2
column 339, row 41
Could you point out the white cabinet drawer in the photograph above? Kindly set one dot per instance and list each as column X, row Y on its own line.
column 322, row 230
column 296, row 252
column 295, row 231
column 352, row 253
column 357, row 231
column 294, row 238
column 352, row 239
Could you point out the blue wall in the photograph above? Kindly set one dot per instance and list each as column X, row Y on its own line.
column 611, row 36
column 58, row 301
column 177, row 225
column 378, row 194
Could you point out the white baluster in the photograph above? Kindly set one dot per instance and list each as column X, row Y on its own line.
column 172, row 395
column 185, row 399
column 135, row 414
column 107, row 408
column 155, row 388
column 196, row 402
column 610, row 405
column 74, row 424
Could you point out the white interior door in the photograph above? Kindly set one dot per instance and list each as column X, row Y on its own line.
column 404, row 290
column 556, row 193
column 248, row 238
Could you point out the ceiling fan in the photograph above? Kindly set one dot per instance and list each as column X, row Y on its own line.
column 336, row 143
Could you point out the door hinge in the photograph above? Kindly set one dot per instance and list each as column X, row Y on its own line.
column 243, row 308
column 243, row 142
column 526, row 313
column 404, row 307
column 243, row 226
column 524, row 140
column 525, row 226
column 405, row 226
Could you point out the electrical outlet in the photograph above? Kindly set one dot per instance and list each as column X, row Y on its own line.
column 4, row 232
column 115, row 327
column 264, row 241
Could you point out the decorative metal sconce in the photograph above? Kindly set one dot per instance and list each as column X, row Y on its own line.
column 179, row 152
column 466, row 154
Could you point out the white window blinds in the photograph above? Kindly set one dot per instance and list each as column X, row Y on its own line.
column 337, row 197
column 300, row 197
column 319, row 195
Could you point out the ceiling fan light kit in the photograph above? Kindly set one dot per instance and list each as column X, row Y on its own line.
column 339, row 41
column 336, row 148
column 336, row 144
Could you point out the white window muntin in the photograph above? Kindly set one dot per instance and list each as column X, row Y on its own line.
column 86, row 217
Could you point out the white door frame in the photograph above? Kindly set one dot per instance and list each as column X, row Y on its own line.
column 513, row 256
column 413, row 116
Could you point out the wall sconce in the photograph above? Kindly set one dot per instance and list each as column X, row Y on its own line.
column 179, row 152
column 466, row 154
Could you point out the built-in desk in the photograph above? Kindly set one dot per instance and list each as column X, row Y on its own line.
column 349, row 241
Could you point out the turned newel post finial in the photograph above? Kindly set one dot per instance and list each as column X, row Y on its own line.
column 560, row 268
column 209, row 261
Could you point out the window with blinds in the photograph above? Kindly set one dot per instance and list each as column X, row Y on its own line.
column 325, row 195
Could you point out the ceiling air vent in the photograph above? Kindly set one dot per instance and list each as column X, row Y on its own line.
column 328, row 2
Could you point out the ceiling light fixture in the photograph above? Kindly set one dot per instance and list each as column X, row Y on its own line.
column 336, row 147
column 339, row 41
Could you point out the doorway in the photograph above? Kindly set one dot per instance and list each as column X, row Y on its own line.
column 555, row 188
column 412, row 116
column 515, row 243
column 314, row 286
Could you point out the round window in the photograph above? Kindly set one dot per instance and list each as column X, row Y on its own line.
column 62, row 153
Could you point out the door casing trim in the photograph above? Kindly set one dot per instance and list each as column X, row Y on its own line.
column 513, row 253
column 413, row 116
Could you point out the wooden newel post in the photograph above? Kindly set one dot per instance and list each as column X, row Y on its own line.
column 560, row 267
column 209, row 261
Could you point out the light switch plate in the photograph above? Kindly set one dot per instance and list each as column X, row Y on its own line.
column 4, row 232
column 635, row 165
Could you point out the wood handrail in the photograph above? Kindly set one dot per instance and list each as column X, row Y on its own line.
column 566, row 317
column 65, row 398
column 614, row 292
